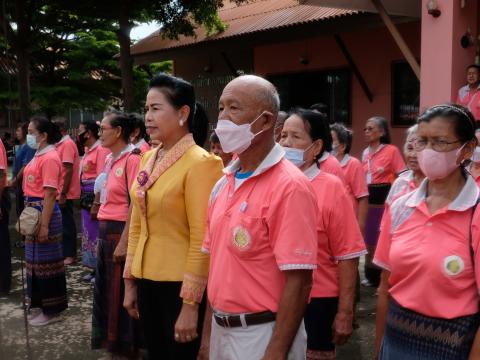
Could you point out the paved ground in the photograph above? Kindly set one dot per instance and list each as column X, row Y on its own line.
column 70, row 339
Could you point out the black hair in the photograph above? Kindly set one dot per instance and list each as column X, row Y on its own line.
column 125, row 121
column 181, row 93
column 315, row 125
column 43, row 125
column 140, row 124
column 382, row 123
column 473, row 66
column 461, row 117
column 23, row 125
column 60, row 122
column 320, row 107
column 92, row 126
column 344, row 135
column 214, row 138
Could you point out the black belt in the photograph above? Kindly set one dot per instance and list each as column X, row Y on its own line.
column 229, row 321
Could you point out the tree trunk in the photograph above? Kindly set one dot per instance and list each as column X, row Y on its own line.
column 126, row 61
column 21, row 48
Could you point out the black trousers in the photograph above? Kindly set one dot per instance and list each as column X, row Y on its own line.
column 5, row 250
column 159, row 305
column 69, row 230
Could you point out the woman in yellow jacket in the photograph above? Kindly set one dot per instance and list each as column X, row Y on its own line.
column 166, row 273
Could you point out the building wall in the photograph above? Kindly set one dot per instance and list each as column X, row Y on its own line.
column 373, row 51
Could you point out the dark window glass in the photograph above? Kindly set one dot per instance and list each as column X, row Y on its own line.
column 405, row 95
column 331, row 88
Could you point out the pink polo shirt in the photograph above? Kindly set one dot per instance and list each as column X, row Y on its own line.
column 143, row 146
column 44, row 170
column 428, row 255
column 3, row 160
column 93, row 161
column 355, row 178
column 330, row 164
column 68, row 153
column 402, row 185
column 264, row 227
column 470, row 99
column 339, row 236
column 115, row 199
column 383, row 166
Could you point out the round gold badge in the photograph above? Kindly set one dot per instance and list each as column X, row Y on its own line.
column 241, row 238
column 30, row 178
column 453, row 265
column 119, row 171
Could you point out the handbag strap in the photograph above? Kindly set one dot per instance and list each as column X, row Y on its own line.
column 470, row 237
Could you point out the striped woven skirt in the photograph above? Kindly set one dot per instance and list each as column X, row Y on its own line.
column 46, row 283
column 112, row 328
column 413, row 336
column 89, row 232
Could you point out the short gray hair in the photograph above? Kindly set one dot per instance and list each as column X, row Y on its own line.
column 411, row 132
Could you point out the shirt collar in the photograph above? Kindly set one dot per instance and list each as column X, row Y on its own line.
column 465, row 200
column 44, row 150
column 94, row 146
column 66, row 137
column 312, row 172
column 324, row 156
column 140, row 143
column 128, row 149
column 345, row 160
column 273, row 158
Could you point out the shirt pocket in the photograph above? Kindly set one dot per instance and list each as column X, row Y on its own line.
column 248, row 237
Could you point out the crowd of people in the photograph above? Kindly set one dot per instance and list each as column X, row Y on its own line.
column 251, row 250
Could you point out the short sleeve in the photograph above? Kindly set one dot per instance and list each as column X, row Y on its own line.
column 345, row 239
column 381, row 257
column 291, row 220
column 50, row 174
column 397, row 161
column 68, row 153
column 359, row 182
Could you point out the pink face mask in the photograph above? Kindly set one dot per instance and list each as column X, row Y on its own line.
column 438, row 165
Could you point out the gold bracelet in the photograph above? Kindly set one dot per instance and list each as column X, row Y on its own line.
column 189, row 302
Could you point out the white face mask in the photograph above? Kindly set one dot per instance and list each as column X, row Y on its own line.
column 235, row 138
column 32, row 141
column 476, row 155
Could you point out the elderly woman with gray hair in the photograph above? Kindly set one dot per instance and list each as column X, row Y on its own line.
column 408, row 180
column 382, row 163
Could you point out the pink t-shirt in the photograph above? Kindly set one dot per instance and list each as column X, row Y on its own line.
column 44, row 170
column 339, row 236
column 428, row 256
column 264, row 227
column 355, row 178
column 330, row 164
column 470, row 99
column 68, row 153
column 93, row 161
column 115, row 200
column 3, row 160
column 383, row 166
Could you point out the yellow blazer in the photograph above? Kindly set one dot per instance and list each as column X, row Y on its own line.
column 166, row 245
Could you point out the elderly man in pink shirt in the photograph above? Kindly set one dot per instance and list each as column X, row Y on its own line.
column 261, row 234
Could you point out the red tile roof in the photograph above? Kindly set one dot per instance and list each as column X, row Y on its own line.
column 251, row 17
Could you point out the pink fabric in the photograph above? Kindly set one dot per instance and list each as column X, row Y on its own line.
column 355, row 179
column 470, row 99
column 68, row 153
column 44, row 170
column 3, row 159
column 116, row 205
column 144, row 147
column 267, row 225
column 332, row 166
column 93, row 162
column 385, row 164
column 339, row 236
column 429, row 258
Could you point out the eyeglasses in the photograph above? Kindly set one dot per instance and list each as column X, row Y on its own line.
column 368, row 128
column 437, row 145
column 102, row 129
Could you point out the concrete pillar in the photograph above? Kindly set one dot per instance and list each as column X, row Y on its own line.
column 443, row 60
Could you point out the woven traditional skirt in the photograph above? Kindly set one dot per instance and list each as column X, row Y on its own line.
column 46, row 284
column 413, row 336
column 112, row 328
column 89, row 232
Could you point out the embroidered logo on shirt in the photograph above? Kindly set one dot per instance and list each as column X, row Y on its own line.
column 30, row 178
column 453, row 265
column 119, row 171
column 241, row 238
column 86, row 167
